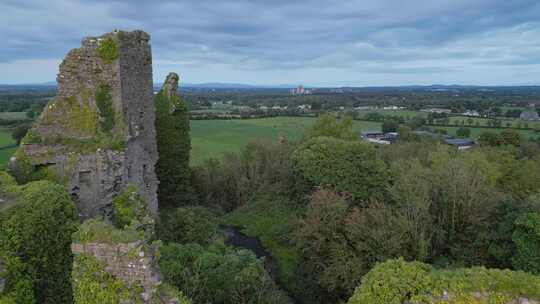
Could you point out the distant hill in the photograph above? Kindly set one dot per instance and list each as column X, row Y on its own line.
column 243, row 86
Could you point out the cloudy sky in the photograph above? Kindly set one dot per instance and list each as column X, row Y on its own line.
column 314, row 42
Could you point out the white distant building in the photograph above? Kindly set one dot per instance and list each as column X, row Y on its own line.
column 471, row 113
column 437, row 110
column 529, row 115
column 300, row 91
column 304, row 107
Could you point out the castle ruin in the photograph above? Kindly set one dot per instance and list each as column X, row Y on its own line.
column 98, row 135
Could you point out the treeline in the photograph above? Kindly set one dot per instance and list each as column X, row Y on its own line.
column 489, row 103
column 24, row 100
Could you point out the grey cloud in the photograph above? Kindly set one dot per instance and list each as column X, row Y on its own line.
column 260, row 35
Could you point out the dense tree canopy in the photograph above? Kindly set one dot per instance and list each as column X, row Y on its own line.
column 218, row 275
column 342, row 166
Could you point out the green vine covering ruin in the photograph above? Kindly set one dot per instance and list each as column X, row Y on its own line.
column 108, row 50
column 397, row 281
column 174, row 145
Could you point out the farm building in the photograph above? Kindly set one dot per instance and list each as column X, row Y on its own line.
column 530, row 115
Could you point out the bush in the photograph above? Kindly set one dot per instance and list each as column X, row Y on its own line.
column 397, row 281
column 342, row 166
column 35, row 239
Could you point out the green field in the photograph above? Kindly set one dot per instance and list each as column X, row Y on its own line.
column 402, row 113
column 475, row 132
column 13, row 115
column 5, row 140
column 213, row 138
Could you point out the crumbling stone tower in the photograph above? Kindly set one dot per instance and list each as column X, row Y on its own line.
column 98, row 135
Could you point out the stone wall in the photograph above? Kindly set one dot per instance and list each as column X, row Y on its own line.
column 128, row 262
column 70, row 139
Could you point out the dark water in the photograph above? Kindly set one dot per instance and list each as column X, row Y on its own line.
column 235, row 238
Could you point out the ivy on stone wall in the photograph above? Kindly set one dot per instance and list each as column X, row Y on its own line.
column 174, row 146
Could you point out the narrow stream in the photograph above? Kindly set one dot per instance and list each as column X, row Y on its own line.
column 235, row 238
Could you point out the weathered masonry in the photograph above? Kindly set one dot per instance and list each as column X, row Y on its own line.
column 98, row 134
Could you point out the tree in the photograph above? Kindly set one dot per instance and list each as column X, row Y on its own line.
column 405, row 133
column 174, row 145
column 19, row 132
column 342, row 166
column 188, row 225
column 489, row 139
column 330, row 126
column 510, row 137
column 339, row 244
column 416, row 122
column 463, row 132
column 390, row 125
column 35, row 240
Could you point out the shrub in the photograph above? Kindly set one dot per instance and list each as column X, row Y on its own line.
column 397, row 281
column 526, row 238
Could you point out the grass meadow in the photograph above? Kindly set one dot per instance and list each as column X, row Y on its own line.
column 5, row 140
column 13, row 115
column 213, row 138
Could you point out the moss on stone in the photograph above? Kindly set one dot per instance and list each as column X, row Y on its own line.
column 31, row 137
column 99, row 231
column 71, row 114
column 108, row 50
